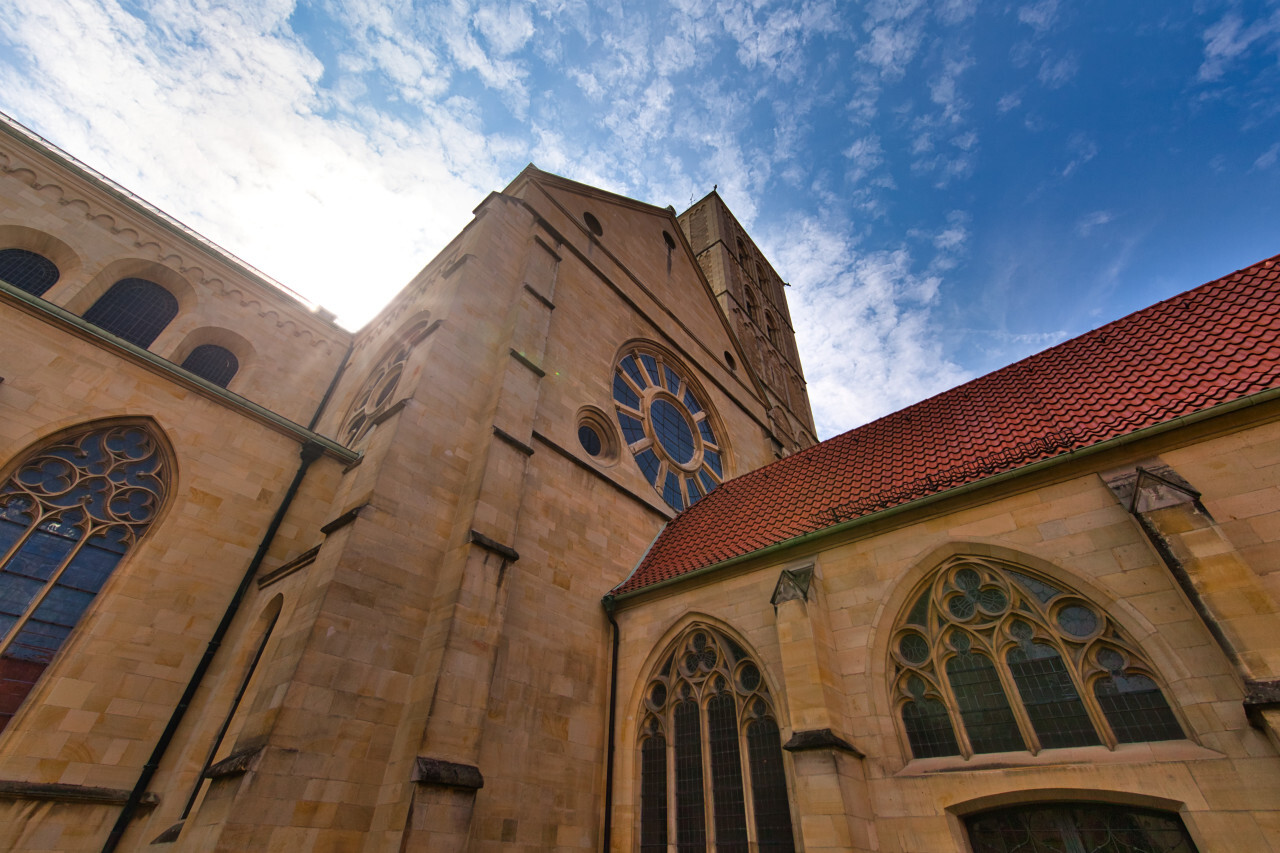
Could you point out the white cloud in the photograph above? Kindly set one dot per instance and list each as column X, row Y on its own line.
column 1056, row 73
column 506, row 27
column 1011, row 101
column 1082, row 149
column 1039, row 16
column 1228, row 39
column 1093, row 220
column 1268, row 158
column 864, row 324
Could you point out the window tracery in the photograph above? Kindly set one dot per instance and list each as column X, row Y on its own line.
column 707, row 714
column 667, row 427
column 68, row 513
column 991, row 657
column 378, row 392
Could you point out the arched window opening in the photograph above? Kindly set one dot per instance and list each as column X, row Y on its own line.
column 134, row 309
column 28, row 271
column 770, row 330
column 991, row 657
column 68, row 513
column 752, row 310
column 711, row 698
column 1095, row 827
column 212, row 362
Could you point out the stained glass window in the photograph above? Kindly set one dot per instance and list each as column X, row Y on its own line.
column 989, row 657
column 711, row 696
column 68, row 513
column 667, row 427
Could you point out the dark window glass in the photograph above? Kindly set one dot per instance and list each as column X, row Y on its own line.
column 929, row 729
column 653, row 795
column 707, row 483
column 671, row 428
column 726, row 775
column 691, row 826
column 648, row 463
column 27, row 271
column 690, row 403
column 712, row 460
column 671, row 492
column 769, row 787
column 623, row 394
column 629, row 365
column 1078, row 828
column 984, row 708
column 632, row 430
column 651, row 367
column 134, row 309
column 212, row 362
column 1136, row 709
column 673, row 381
column 589, row 440
column 705, row 429
column 1051, row 700
column 691, row 486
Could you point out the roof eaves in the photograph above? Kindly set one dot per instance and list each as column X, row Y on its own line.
column 803, row 539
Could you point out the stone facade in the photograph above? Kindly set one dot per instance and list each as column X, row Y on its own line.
column 366, row 612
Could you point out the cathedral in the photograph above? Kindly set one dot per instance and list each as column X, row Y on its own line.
column 548, row 556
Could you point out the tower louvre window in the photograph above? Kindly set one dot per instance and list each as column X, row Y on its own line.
column 990, row 658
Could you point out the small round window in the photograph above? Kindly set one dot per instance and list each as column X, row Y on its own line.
column 667, row 427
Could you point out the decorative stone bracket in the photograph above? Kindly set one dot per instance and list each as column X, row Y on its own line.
column 448, row 774
column 793, row 585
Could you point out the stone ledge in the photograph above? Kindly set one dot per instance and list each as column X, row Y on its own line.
column 504, row 551
column 343, row 520
column 449, row 774
column 524, row 359
column 301, row 561
column 1260, row 696
column 510, row 439
column 820, row 739
column 61, row 793
column 236, row 764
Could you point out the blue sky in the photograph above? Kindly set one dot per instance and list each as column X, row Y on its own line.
column 948, row 186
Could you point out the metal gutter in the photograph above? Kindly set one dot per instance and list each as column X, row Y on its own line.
column 149, row 359
column 804, row 539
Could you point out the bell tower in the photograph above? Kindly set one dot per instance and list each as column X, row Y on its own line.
column 750, row 293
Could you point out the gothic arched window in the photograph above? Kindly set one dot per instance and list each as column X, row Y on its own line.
column 28, row 271
column 1077, row 826
column 212, row 362
column 992, row 657
column 68, row 513
column 752, row 311
column 378, row 392
column 134, row 309
column 707, row 715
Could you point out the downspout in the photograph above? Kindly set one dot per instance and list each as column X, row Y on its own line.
column 309, row 452
column 608, row 604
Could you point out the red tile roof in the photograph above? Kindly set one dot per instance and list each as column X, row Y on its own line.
column 1216, row 343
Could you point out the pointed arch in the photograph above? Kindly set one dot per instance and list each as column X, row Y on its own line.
column 987, row 655
column 710, row 750
column 71, row 507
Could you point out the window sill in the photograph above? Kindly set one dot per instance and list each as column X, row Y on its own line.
column 1125, row 753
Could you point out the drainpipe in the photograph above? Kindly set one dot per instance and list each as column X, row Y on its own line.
column 608, row 604
column 309, row 453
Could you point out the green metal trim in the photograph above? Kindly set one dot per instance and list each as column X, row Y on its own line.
column 1217, row 411
column 61, row 315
